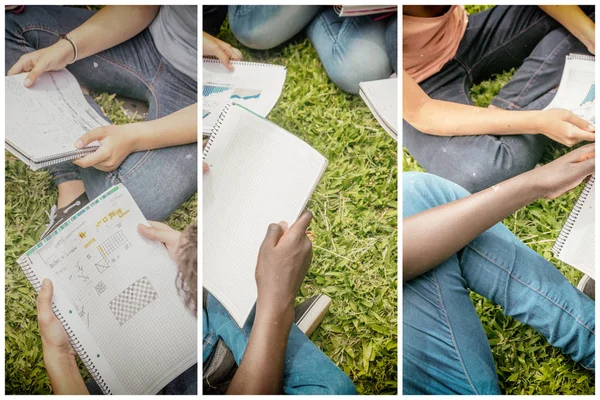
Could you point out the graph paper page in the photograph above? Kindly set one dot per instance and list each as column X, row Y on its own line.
column 255, row 86
column 259, row 174
column 47, row 118
column 117, row 290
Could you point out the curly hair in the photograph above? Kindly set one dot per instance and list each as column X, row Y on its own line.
column 187, row 259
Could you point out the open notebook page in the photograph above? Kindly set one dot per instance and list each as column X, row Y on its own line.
column 255, row 86
column 578, row 249
column 47, row 118
column 117, row 292
column 259, row 174
column 382, row 99
column 577, row 84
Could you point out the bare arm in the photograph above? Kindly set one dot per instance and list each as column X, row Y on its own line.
column 575, row 21
column 457, row 223
column 109, row 27
column 261, row 369
column 283, row 261
column 178, row 128
column 445, row 118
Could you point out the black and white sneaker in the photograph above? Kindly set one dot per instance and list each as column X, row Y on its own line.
column 588, row 286
column 59, row 215
column 309, row 314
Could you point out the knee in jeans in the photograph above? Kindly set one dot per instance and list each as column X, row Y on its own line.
column 339, row 383
column 351, row 69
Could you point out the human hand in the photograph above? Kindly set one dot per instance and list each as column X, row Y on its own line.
column 565, row 127
column 211, row 46
column 55, row 340
column 566, row 172
column 283, row 261
column 205, row 166
column 116, row 143
column 163, row 233
column 53, row 58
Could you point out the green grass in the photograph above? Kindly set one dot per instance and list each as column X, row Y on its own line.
column 355, row 228
column 525, row 362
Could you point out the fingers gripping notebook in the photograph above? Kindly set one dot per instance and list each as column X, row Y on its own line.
column 115, row 294
column 44, row 121
column 259, row 174
column 255, row 86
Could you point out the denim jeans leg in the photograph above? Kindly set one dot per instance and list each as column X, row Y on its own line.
column 445, row 349
column 540, row 72
column 499, row 267
column 344, row 43
column 306, row 371
column 391, row 41
column 264, row 27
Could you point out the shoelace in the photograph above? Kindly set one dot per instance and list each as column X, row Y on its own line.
column 51, row 217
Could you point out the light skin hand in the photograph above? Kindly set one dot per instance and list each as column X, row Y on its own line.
column 163, row 233
column 116, row 143
column 53, row 58
column 565, row 127
column 211, row 46
column 59, row 355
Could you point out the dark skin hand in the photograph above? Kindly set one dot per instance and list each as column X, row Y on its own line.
column 459, row 222
column 283, row 261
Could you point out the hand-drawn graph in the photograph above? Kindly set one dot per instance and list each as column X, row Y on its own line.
column 214, row 98
column 133, row 299
column 246, row 94
column 113, row 242
column 591, row 95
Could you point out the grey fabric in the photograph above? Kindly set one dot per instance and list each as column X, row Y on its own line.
column 174, row 31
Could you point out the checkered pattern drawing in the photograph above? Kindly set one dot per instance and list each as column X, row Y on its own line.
column 132, row 300
column 100, row 287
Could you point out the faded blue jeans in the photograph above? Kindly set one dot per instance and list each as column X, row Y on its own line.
column 352, row 50
column 445, row 349
column 159, row 180
column 306, row 371
column 496, row 40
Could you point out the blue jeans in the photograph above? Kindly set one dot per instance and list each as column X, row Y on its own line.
column 159, row 180
column 496, row 40
column 306, row 371
column 352, row 50
column 445, row 349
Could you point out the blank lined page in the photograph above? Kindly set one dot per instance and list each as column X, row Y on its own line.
column 259, row 174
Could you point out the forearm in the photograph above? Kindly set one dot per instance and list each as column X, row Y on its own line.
column 63, row 373
column 175, row 129
column 444, row 118
column 109, row 27
column 261, row 369
column 432, row 236
column 575, row 21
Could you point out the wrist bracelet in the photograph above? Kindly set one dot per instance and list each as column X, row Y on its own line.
column 65, row 37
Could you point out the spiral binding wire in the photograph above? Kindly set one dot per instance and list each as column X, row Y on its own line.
column 215, row 130
column 585, row 57
column 62, row 157
column 566, row 230
column 87, row 361
column 252, row 64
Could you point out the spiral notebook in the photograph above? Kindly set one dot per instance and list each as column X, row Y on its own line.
column 115, row 294
column 356, row 11
column 259, row 174
column 576, row 242
column 577, row 92
column 255, row 86
column 44, row 121
column 382, row 99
